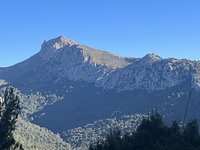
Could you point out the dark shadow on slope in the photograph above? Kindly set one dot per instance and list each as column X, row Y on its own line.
column 85, row 103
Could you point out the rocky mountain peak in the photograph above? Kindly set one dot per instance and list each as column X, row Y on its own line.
column 151, row 58
column 63, row 58
column 49, row 47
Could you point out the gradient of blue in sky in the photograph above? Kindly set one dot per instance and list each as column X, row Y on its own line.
column 133, row 28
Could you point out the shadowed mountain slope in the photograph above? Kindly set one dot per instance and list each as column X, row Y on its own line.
column 67, row 85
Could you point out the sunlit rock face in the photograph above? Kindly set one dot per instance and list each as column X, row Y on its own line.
column 67, row 86
column 79, row 62
column 63, row 58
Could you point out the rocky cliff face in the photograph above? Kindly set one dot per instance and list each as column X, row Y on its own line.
column 66, row 59
column 153, row 73
column 63, row 86
column 78, row 62
column 63, row 58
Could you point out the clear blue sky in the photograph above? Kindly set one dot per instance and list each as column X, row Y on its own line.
column 169, row 28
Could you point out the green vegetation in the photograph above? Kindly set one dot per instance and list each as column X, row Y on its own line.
column 81, row 137
column 17, row 133
column 9, row 111
column 153, row 134
column 34, row 137
column 34, row 102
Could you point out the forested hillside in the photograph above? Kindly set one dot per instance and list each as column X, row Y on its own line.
column 80, row 92
column 153, row 134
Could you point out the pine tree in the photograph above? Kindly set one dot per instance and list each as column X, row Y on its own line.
column 153, row 134
column 9, row 111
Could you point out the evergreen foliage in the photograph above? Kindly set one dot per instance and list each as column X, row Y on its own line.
column 34, row 137
column 9, row 111
column 153, row 134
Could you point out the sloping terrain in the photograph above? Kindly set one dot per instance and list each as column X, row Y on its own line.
column 66, row 86
column 34, row 137
column 62, row 58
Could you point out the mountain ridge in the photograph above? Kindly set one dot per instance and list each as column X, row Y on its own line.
column 66, row 86
column 64, row 58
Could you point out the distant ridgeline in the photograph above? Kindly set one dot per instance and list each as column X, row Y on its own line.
column 81, row 92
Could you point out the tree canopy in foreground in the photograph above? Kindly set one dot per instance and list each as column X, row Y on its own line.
column 153, row 134
column 9, row 111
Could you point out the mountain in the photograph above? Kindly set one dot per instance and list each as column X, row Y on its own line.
column 67, row 85
column 34, row 137
column 64, row 58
